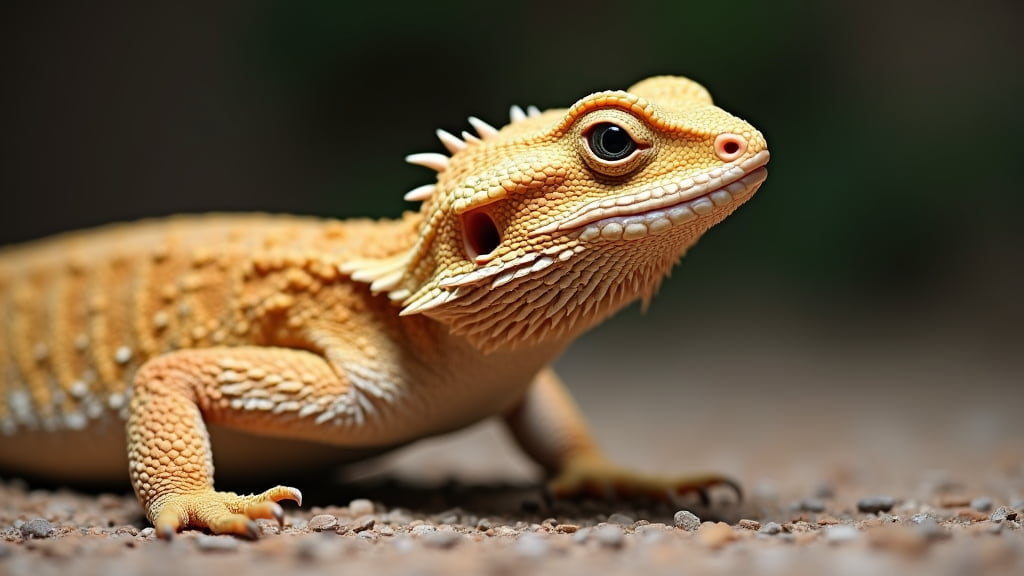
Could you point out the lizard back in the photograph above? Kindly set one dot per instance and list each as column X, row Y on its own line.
column 80, row 312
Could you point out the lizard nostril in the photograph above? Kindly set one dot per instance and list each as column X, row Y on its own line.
column 480, row 233
column 729, row 147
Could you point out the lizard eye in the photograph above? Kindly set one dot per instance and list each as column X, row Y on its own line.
column 610, row 142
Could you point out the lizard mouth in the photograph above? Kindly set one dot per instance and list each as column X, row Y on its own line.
column 656, row 210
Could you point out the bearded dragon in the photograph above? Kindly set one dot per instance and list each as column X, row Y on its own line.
column 365, row 335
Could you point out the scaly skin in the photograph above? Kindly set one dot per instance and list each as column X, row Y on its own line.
column 366, row 335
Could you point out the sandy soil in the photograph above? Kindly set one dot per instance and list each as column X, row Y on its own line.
column 861, row 452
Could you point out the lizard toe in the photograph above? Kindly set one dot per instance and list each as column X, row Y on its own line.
column 603, row 479
column 221, row 512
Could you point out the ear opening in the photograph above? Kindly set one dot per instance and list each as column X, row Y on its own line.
column 480, row 233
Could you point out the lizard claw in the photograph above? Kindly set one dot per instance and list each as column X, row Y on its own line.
column 221, row 512
column 600, row 478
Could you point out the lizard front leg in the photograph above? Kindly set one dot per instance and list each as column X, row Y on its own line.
column 265, row 390
column 550, row 428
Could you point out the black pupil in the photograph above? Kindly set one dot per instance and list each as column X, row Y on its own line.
column 611, row 142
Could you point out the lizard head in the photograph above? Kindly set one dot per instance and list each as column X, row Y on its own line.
column 543, row 228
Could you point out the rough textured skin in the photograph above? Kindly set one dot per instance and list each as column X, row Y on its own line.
column 366, row 335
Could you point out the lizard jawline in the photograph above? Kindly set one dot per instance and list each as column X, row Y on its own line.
column 652, row 222
column 629, row 216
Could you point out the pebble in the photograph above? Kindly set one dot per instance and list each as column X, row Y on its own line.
column 1003, row 513
column 448, row 518
column 899, row 539
column 921, row 517
column 610, row 535
column 620, row 519
column 365, row 523
column 876, row 504
column 505, row 531
column 840, row 533
column 652, row 532
column 982, row 504
column 147, row 532
column 930, row 529
column 442, row 539
column 208, row 543
column 715, row 535
column 771, row 528
column 422, row 529
column 323, row 522
column 532, row 545
column 360, row 507
column 129, row 530
column 749, row 524
column 368, row 535
column 36, row 528
column 686, row 520
column 971, row 514
column 566, row 528
column 483, row 524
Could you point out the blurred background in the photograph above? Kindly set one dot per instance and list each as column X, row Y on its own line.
column 871, row 290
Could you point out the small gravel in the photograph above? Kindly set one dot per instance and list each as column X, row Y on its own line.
column 930, row 529
column 686, row 520
column 620, row 519
column 208, row 543
column 532, row 545
column 982, row 504
column 323, row 522
column 422, row 529
column 610, row 536
column 581, row 535
column 441, row 539
column 715, row 534
column 363, row 524
column 876, row 504
column 1003, row 513
column 771, row 528
column 37, row 528
column 840, row 533
column 360, row 507
column 921, row 518
column 749, row 524
column 655, row 530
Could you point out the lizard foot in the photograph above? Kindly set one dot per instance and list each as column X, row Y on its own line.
column 601, row 478
column 220, row 512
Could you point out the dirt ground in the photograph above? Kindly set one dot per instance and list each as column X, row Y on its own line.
column 862, row 451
